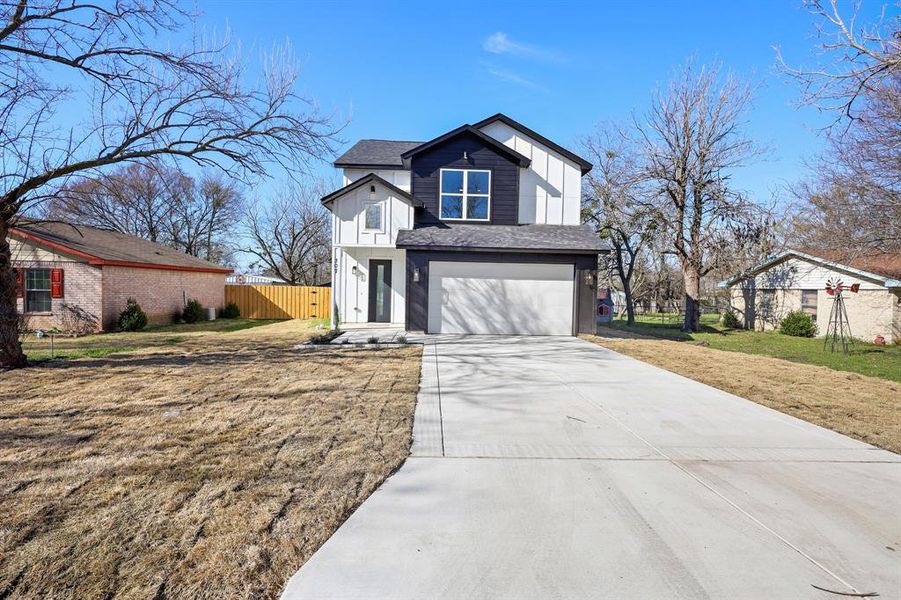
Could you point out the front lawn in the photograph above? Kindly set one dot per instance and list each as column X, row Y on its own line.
column 864, row 358
column 209, row 467
column 103, row 344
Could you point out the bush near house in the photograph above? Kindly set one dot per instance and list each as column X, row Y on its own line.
column 133, row 317
column 798, row 324
column 193, row 312
column 730, row 320
column 231, row 311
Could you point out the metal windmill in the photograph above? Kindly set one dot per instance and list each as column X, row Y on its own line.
column 839, row 330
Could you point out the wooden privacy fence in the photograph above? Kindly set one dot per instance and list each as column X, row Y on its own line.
column 280, row 301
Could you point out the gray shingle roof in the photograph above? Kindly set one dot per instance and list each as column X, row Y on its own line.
column 102, row 246
column 551, row 238
column 375, row 153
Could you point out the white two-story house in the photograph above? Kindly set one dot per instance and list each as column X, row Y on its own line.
column 475, row 231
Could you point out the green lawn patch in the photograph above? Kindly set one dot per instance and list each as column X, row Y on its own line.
column 864, row 358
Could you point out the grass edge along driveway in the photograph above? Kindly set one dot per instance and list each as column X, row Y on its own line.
column 864, row 408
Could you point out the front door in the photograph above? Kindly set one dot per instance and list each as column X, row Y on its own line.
column 379, row 291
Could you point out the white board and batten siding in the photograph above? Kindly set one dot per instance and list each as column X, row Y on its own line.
column 798, row 274
column 352, row 291
column 398, row 177
column 349, row 218
column 550, row 190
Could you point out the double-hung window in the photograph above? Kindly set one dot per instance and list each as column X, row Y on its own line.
column 465, row 194
column 37, row 290
column 809, row 303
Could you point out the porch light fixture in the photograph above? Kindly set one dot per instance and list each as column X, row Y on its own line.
column 372, row 192
column 353, row 270
column 465, row 157
column 589, row 277
column 416, row 275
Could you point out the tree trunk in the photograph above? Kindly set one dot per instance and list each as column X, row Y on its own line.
column 11, row 355
column 692, row 279
column 630, row 305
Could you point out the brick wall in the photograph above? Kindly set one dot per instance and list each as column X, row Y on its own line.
column 159, row 292
column 80, row 307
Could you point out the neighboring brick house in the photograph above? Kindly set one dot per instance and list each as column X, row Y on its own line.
column 78, row 278
column 796, row 280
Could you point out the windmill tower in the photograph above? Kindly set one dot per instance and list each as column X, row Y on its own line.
column 838, row 333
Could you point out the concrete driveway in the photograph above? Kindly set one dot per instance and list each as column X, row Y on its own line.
column 553, row 468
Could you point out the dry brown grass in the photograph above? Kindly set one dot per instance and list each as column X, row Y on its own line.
column 209, row 469
column 865, row 408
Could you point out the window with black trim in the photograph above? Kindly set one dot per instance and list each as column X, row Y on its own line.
column 465, row 195
column 37, row 290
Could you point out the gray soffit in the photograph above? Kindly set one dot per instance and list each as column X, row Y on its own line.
column 536, row 238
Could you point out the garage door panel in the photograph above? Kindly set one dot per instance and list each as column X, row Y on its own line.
column 500, row 298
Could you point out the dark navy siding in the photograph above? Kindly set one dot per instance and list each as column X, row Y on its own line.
column 426, row 172
column 417, row 293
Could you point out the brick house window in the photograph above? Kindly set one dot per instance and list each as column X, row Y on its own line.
column 37, row 290
column 767, row 309
column 809, row 303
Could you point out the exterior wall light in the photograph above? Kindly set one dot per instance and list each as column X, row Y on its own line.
column 353, row 270
column 372, row 192
column 416, row 275
column 589, row 278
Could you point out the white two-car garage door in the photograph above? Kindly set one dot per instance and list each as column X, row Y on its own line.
column 500, row 298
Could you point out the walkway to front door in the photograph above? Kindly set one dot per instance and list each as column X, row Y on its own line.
column 379, row 290
column 553, row 468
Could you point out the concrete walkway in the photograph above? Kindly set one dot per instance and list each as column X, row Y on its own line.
column 553, row 468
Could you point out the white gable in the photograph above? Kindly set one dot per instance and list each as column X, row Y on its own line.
column 550, row 190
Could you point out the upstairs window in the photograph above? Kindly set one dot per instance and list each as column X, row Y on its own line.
column 465, row 195
column 372, row 216
column 37, row 290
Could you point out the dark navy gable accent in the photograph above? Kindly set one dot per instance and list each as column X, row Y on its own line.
column 426, row 168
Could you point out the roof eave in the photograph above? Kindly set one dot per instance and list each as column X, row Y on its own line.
column 371, row 177
column 523, row 161
column 584, row 166
column 497, row 249
column 782, row 256
column 101, row 262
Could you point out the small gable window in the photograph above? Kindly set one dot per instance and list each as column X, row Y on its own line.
column 465, row 194
column 372, row 216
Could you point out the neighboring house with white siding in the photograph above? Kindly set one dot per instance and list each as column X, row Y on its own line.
column 475, row 231
column 795, row 280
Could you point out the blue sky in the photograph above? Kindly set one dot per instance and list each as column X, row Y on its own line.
column 412, row 70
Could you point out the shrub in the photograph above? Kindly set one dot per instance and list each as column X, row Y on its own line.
column 401, row 339
column 132, row 318
column 231, row 311
column 193, row 312
column 373, row 339
column 798, row 324
column 730, row 320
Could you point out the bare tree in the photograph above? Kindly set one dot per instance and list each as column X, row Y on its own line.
column 290, row 237
column 135, row 199
column 111, row 62
column 692, row 139
column 857, row 58
column 852, row 201
column 206, row 217
column 616, row 205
